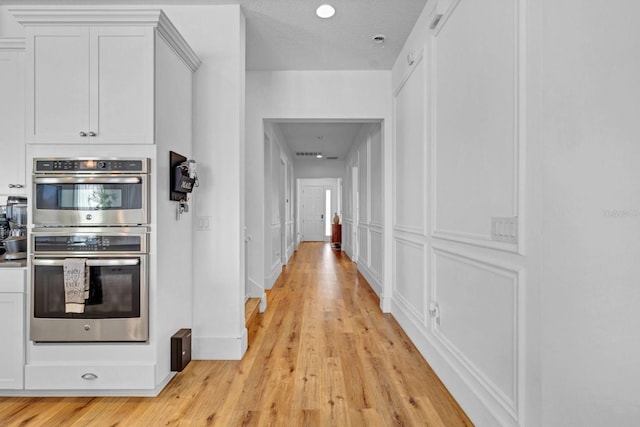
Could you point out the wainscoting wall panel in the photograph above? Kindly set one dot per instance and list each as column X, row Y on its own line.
column 366, row 156
column 375, row 239
column 291, row 243
column 275, row 246
column 457, row 153
column 347, row 237
column 478, row 319
column 409, row 151
column 375, row 177
column 475, row 129
column 364, row 173
column 410, row 275
column 363, row 245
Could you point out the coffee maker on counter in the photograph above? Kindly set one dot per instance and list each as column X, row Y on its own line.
column 14, row 237
column 4, row 227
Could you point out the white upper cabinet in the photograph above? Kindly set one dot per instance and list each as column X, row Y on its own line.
column 91, row 73
column 90, row 84
column 121, row 81
column 58, row 88
column 12, row 172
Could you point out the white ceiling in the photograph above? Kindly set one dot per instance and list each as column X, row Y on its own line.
column 287, row 35
column 332, row 139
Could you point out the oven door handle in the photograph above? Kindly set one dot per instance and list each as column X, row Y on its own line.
column 87, row 180
column 90, row 262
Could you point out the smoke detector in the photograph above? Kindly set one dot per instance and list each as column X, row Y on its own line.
column 379, row 39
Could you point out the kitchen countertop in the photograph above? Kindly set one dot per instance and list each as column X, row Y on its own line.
column 12, row 263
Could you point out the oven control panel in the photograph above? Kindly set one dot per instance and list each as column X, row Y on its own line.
column 88, row 243
column 90, row 165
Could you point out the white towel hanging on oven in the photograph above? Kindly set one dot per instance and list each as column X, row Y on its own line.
column 76, row 284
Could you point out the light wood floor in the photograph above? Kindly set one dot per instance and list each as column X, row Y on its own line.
column 323, row 355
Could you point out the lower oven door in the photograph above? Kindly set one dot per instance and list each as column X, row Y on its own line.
column 117, row 307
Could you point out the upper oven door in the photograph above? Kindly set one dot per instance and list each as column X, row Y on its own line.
column 90, row 200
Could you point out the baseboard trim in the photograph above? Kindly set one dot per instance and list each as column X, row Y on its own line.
column 263, row 303
column 219, row 348
column 255, row 290
column 386, row 304
column 468, row 396
column 269, row 281
column 376, row 283
column 89, row 393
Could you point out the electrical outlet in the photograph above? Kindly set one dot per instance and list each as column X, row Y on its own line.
column 434, row 312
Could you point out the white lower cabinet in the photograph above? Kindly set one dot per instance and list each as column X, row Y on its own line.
column 89, row 377
column 12, row 321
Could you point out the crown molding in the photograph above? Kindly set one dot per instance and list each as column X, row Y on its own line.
column 173, row 37
column 30, row 16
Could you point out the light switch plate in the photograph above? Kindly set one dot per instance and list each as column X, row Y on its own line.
column 203, row 223
column 504, row 228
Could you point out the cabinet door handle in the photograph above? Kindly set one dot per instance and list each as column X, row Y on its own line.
column 83, row 133
column 92, row 134
column 89, row 376
column 16, row 185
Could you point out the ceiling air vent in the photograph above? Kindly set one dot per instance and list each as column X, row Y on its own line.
column 332, row 158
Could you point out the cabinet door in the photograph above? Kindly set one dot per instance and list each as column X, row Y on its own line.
column 12, row 339
column 122, row 84
column 12, row 178
column 57, row 84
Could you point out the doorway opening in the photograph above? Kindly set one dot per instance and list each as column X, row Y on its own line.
column 327, row 212
column 309, row 178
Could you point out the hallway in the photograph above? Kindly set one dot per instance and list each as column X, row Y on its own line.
column 323, row 355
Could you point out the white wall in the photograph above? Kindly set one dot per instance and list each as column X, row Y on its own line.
column 568, row 293
column 458, row 151
column 318, row 168
column 366, row 153
column 300, row 95
column 173, row 286
column 216, row 34
column 279, row 202
column 591, row 134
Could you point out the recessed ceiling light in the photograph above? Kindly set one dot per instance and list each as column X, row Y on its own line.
column 325, row 11
column 319, row 156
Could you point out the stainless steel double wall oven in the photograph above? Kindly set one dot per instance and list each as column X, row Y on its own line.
column 96, row 210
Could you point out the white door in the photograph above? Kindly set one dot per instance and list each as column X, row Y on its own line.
column 312, row 214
